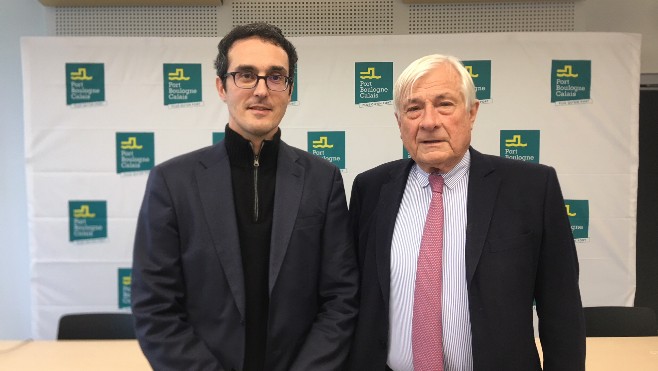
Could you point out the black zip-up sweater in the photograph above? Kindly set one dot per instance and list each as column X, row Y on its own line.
column 253, row 178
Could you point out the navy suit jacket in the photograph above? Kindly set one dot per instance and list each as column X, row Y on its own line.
column 188, row 293
column 519, row 248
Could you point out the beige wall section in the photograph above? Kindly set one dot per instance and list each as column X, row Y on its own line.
column 635, row 16
column 632, row 16
column 129, row 2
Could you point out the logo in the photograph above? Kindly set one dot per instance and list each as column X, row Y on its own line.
column 373, row 83
column 567, row 71
column 578, row 212
column 87, row 220
column 217, row 137
column 80, row 75
column 570, row 81
column 125, row 280
column 182, row 84
column 322, row 143
column 135, row 152
column 369, row 74
column 329, row 145
column 515, row 141
column 520, row 145
column 178, row 75
column 480, row 72
column 85, row 83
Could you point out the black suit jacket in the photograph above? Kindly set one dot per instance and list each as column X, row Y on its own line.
column 188, row 286
column 519, row 247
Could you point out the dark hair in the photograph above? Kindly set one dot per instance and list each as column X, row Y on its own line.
column 261, row 30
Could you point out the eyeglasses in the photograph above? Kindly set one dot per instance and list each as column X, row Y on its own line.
column 249, row 80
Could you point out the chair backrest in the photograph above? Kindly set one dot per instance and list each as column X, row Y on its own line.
column 620, row 321
column 96, row 326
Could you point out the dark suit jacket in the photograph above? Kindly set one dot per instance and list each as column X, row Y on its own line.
column 188, row 286
column 519, row 247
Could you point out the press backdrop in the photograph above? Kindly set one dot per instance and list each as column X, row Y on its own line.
column 100, row 112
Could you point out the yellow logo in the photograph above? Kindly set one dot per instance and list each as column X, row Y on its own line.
column 515, row 142
column 369, row 74
column 126, row 280
column 81, row 74
column 569, row 210
column 567, row 71
column 83, row 212
column 470, row 71
column 322, row 143
column 178, row 75
column 131, row 143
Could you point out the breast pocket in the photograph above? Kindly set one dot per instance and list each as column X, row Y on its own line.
column 526, row 240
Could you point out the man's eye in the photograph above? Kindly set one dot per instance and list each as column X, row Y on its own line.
column 247, row 76
column 276, row 78
column 413, row 112
column 446, row 107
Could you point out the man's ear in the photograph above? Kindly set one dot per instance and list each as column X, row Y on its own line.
column 474, row 112
column 220, row 88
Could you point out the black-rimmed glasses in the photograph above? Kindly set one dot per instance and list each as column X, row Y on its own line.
column 249, row 80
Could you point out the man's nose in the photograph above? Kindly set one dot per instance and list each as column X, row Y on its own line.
column 430, row 119
column 261, row 87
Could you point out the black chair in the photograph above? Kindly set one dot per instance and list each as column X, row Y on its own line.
column 96, row 326
column 620, row 321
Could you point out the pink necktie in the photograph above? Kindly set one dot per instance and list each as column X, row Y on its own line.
column 427, row 336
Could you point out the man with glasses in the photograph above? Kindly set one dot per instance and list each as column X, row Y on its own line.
column 243, row 258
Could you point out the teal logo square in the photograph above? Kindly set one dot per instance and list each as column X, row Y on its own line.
column 571, row 81
column 85, row 83
column 217, row 137
column 405, row 153
column 125, row 281
column 182, row 83
column 578, row 213
column 373, row 83
column 480, row 72
column 329, row 145
column 87, row 220
column 293, row 97
column 135, row 152
column 520, row 145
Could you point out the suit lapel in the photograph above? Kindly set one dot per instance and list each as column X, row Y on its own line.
column 483, row 187
column 388, row 206
column 216, row 193
column 287, row 197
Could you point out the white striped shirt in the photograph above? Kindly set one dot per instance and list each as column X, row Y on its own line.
column 457, row 350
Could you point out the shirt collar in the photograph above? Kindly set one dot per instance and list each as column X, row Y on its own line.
column 450, row 179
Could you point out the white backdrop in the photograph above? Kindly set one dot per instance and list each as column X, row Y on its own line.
column 82, row 205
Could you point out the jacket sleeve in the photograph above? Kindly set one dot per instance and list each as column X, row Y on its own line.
column 559, row 307
column 329, row 339
column 158, row 288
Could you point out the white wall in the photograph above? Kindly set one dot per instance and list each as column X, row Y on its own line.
column 17, row 18
column 29, row 18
